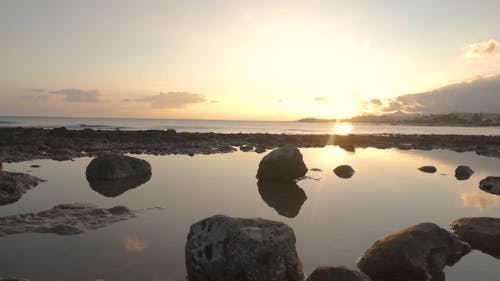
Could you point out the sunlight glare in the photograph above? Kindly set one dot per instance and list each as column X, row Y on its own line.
column 342, row 128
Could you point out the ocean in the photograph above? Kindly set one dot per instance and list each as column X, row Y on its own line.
column 233, row 126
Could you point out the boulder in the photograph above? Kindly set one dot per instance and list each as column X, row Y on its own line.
column 64, row 219
column 246, row 148
column 344, row 171
column 282, row 164
column 117, row 166
column 14, row 185
column 419, row 252
column 260, row 149
column 285, row 197
column 337, row 273
column 490, row 185
column 221, row 248
column 463, row 173
column 481, row 233
column 428, row 169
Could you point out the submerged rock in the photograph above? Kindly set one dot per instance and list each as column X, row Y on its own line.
column 284, row 163
column 481, row 233
column 428, row 169
column 337, row 273
column 221, row 248
column 14, row 185
column 348, row 147
column 117, row 166
column 490, row 185
column 285, row 197
column 463, row 173
column 419, row 252
column 344, row 171
column 65, row 219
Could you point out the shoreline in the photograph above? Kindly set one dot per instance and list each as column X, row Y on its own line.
column 23, row 144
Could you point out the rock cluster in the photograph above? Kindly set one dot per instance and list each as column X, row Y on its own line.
column 14, row 185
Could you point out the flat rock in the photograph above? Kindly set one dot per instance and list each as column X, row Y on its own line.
column 481, row 233
column 490, row 185
column 337, row 273
column 284, row 163
column 285, row 197
column 417, row 253
column 14, row 185
column 344, row 171
column 463, row 172
column 65, row 219
column 221, row 248
column 428, row 169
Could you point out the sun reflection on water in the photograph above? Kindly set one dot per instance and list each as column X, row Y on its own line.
column 342, row 128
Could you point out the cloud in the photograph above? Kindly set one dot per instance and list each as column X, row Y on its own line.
column 37, row 98
column 37, row 90
column 214, row 101
column 280, row 101
column 479, row 95
column 484, row 49
column 375, row 102
column 77, row 95
column 322, row 99
column 173, row 99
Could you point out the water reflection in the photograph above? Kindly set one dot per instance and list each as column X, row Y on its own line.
column 342, row 128
column 134, row 244
column 113, row 188
column 479, row 200
column 285, row 197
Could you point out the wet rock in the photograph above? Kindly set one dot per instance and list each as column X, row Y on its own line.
column 344, row 171
column 481, row 233
column 463, row 173
column 246, row 148
column 490, row 185
column 65, row 219
column 316, row 170
column 35, row 166
column 115, row 167
column 221, row 248
column 428, row 169
column 487, row 151
column 260, row 149
column 348, row 147
column 419, row 252
column 284, row 163
column 337, row 273
column 285, row 197
column 14, row 185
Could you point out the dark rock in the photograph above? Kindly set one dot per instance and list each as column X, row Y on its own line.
column 428, row 169
column 348, row 147
column 490, row 185
column 221, row 248
column 113, row 188
column 487, row 151
column 35, row 166
column 344, row 171
column 283, row 164
column 463, row 173
column 64, row 219
column 260, row 149
column 115, row 166
column 285, row 197
column 246, row 148
column 171, row 131
column 13, row 279
column 14, row 185
column 481, row 233
column 316, row 170
column 419, row 252
column 337, row 273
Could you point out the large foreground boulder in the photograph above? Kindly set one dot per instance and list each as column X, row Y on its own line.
column 64, row 219
column 463, row 172
column 490, row 185
column 221, row 248
column 282, row 164
column 14, row 185
column 337, row 273
column 113, row 174
column 344, row 171
column 419, row 252
column 285, row 197
column 482, row 233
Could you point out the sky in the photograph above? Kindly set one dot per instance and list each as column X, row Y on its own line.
column 246, row 60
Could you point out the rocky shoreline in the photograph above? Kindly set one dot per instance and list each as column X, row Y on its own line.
column 23, row 144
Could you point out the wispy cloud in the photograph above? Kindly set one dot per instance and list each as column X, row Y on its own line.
column 36, row 98
column 173, row 99
column 484, row 49
column 77, row 95
column 322, row 99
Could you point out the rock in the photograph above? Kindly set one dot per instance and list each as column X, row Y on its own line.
column 13, row 279
column 260, row 149
column 487, row 151
column 337, row 273
column 284, row 163
column 64, row 219
column 221, row 248
column 14, row 185
column 490, row 185
column 35, row 166
column 246, row 148
column 481, row 233
column 419, row 252
column 348, row 147
column 428, row 169
column 1, row 167
column 344, row 171
column 285, row 197
column 116, row 166
column 316, row 170
column 463, row 173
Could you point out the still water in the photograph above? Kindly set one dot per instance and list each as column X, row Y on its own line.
column 337, row 222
